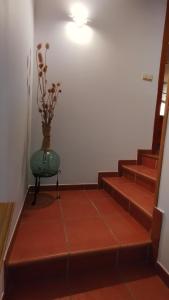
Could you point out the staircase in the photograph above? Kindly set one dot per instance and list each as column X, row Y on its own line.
column 134, row 186
column 85, row 232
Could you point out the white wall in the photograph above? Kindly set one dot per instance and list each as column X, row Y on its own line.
column 16, row 40
column 106, row 111
column 163, row 204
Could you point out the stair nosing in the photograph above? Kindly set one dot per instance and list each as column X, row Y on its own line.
column 127, row 167
column 129, row 198
column 79, row 252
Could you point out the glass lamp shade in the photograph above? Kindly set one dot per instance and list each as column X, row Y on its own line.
column 45, row 164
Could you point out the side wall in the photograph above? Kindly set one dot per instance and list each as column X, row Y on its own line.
column 16, row 46
column 106, row 110
column 163, row 204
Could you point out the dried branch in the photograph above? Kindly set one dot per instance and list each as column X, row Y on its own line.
column 46, row 96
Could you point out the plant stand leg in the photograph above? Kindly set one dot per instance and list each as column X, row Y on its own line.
column 38, row 187
column 36, row 191
column 57, row 187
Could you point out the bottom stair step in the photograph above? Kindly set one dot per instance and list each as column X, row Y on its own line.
column 124, row 283
column 83, row 231
column 133, row 196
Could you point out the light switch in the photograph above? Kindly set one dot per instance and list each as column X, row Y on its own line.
column 147, row 77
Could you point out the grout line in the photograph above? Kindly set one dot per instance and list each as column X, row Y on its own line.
column 66, row 240
column 130, row 291
column 104, row 222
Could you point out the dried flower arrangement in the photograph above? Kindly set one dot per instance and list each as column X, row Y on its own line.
column 46, row 95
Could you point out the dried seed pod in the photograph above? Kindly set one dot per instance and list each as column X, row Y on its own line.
column 58, row 84
column 40, row 110
column 45, row 69
column 49, row 90
column 41, row 66
column 53, row 90
column 47, row 46
column 53, row 85
column 39, row 46
column 40, row 57
column 40, row 74
column 60, row 91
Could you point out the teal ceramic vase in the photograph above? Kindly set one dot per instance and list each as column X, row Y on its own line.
column 45, row 163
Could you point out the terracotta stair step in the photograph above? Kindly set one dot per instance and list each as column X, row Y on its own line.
column 150, row 160
column 133, row 197
column 155, row 156
column 140, row 280
column 84, row 229
column 143, row 171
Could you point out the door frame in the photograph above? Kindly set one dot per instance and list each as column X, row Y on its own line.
column 164, row 54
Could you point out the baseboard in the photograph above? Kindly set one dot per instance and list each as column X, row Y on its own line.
column 11, row 241
column 65, row 187
column 162, row 272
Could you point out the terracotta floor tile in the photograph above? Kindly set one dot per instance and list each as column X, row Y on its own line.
column 88, row 234
column 97, row 193
column 77, row 208
column 148, row 288
column 143, row 282
column 106, row 206
column 46, row 208
column 126, row 229
column 38, row 240
column 117, row 292
column 73, row 194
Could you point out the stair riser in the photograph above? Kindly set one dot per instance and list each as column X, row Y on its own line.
column 78, row 264
column 143, row 181
column 135, row 211
column 149, row 162
column 56, row 267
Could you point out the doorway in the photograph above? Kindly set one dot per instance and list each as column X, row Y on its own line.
column 162, row 89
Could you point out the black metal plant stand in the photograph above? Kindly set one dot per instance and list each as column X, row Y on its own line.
column 37, row 186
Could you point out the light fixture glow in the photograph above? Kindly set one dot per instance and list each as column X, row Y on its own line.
column 79, row 14
column 79, row 35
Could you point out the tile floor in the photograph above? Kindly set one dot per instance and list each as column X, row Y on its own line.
column 80, row 221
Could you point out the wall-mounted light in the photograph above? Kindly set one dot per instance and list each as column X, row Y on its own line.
column 79, row 14
column 78, row 30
